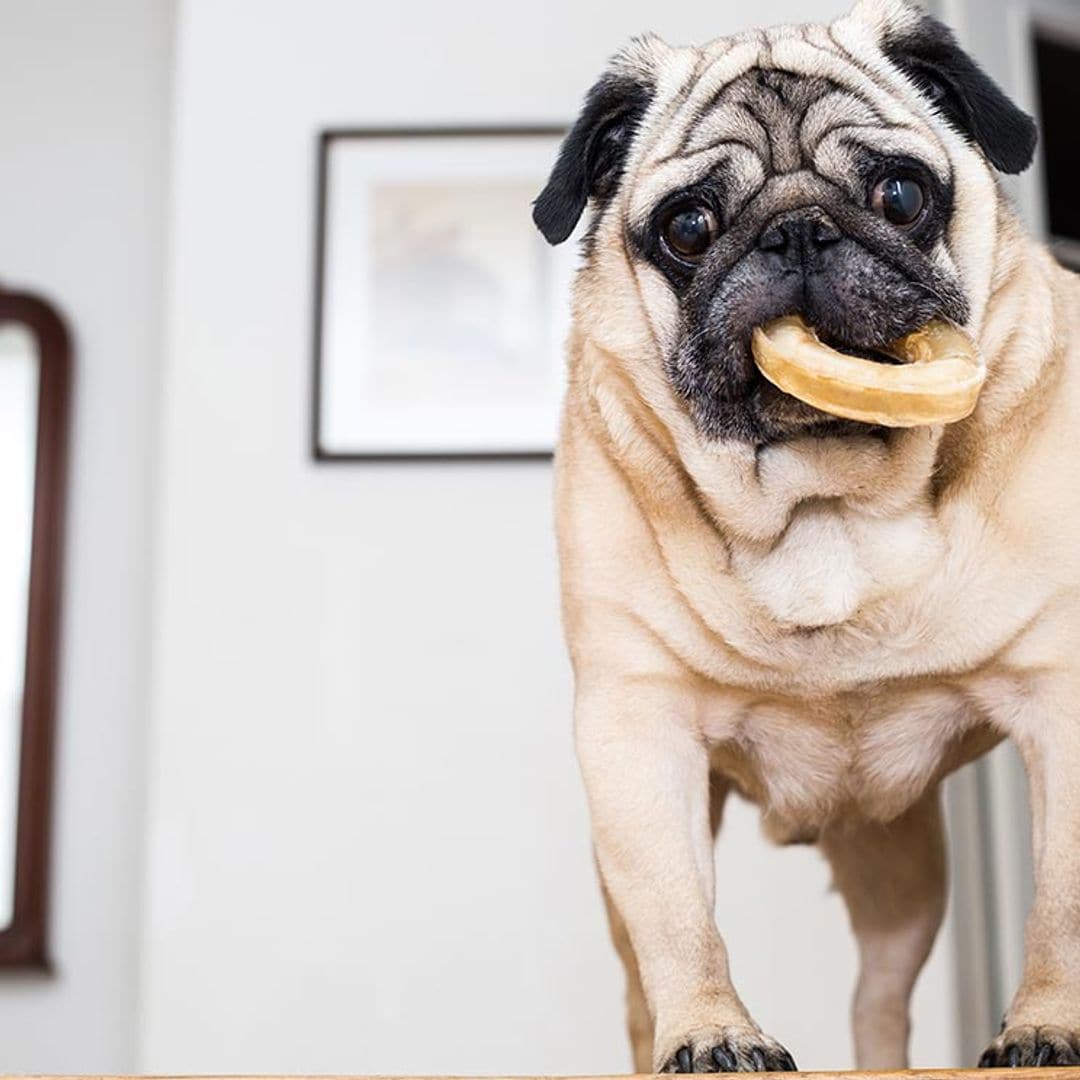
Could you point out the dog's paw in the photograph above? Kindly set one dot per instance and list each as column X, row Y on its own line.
column 727, row 1050
column 1016, row 1047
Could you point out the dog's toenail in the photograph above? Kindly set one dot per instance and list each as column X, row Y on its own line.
column 724, row 1061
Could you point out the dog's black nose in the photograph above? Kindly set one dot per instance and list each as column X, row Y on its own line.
column 798, row 238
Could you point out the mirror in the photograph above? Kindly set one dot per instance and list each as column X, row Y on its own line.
column 18, row 428
column 34, row 375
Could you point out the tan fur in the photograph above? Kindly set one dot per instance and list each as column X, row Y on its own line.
column 833, row 624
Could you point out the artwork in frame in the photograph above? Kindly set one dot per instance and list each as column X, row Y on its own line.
column 441, row 312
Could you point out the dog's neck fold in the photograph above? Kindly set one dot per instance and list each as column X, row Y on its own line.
column 748, row 493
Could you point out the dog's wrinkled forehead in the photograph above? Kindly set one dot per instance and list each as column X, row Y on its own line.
column 771, row 106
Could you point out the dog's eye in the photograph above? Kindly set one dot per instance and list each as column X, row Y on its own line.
column 899, row 201
column 689, row 230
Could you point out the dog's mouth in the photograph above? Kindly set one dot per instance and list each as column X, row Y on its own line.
column 864, row 352
column 930, row 376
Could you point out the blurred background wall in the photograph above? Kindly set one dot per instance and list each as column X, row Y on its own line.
column 318, row 804
column 84, row 140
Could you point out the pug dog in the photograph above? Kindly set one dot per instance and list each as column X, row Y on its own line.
column 823, row 615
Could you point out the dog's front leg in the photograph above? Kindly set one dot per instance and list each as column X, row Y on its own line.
column 1042, row 1026
column 646, row 771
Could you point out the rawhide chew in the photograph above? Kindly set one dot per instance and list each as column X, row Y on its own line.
column 936, row 380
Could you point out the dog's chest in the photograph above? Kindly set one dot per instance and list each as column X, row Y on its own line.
column 871, row 657
column 842, row 600
column 862, row 707
column 830, row 562
column 867, row 755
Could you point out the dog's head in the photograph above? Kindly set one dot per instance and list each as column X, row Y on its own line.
column 842, row 172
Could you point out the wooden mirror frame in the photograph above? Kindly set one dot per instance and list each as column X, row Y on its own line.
column 23, row 943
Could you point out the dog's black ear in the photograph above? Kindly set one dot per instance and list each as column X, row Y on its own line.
column 964, row 94
column 592, row 156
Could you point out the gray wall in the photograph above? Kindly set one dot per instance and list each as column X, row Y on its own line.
column 83, row 138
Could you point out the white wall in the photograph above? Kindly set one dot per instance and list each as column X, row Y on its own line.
column 83, row 121
column 368, row 843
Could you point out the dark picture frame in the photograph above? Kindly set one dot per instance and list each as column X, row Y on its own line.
column 327, row 140
column 24, row 942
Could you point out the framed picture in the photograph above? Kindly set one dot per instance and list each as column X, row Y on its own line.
column 441, row 312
